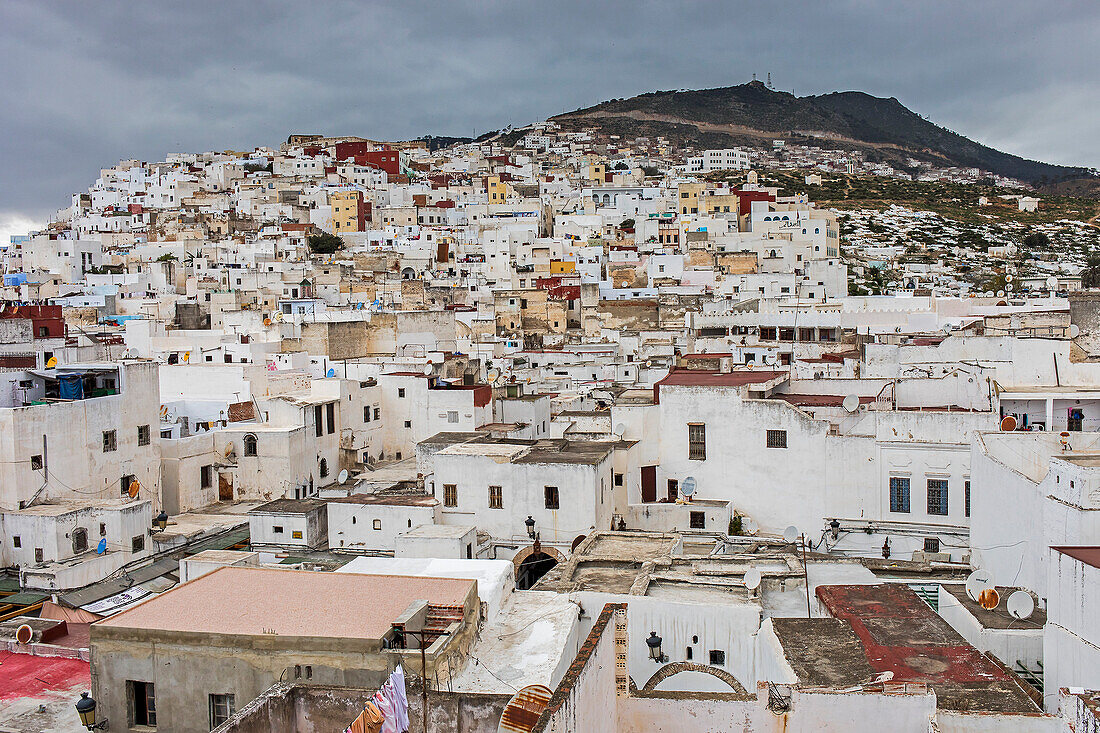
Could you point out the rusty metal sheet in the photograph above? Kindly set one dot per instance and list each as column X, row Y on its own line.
column 524, row 709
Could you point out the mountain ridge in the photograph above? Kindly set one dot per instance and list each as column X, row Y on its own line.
column 882, row 127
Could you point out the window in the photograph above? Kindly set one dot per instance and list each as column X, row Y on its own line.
column 618, row 479
column 366, row 414
column 222, row 708
column 698, row 520
column 109, row 443
column 377, row 524
column 137, row 543
column 777, row 438
column 966, row 498
column 408, row 423
column 102, row 529
column 937, row 496
column 324, row 467
column 931, row 544
column 450, row 495
column 296, row 534
column 496, row 497
column 318, row 419
column 124, row 484
column 142, row 703
column 36, row 463
column 277, row 529
column 688, row 655
column 330, row 417
column 16, row 542
column 452, row 416
column 718, row 657
column 899, row 494
column 206, row 476
column 551, row 496
column 400, row 391
column 143, row 435
column 378, row 413
column 250, row 445
column 697, row 441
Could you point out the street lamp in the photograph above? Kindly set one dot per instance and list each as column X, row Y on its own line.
column 85, row 708
column 530, row 522
column 654, row 644
column 161, row 520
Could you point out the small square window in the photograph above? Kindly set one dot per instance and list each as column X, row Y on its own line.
column 36, row 463
column 450, row 495
column 552, row 500
column 931, row 544
column 16, row 542
column 452, row 416
column 296, row 534
column 496, row 497
column 378, row 524
column 401, row 392
column 718, row 657
column 277, row 529
column 698, row 520
column 109, row 442
column 618, row 479
column 777, row 438
column 137, row 543
column 408, row 423
column 143, row 435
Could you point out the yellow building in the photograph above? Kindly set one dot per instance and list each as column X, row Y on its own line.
column 597, row 172
column 689, row 197
column 498, row 191
column 562, row 267
column 725, row 203
column 348, row 211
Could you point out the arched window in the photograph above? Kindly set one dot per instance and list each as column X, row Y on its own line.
column 324, row 467
column 250, row 445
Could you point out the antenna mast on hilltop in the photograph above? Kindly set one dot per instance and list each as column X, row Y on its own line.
column 769, row 80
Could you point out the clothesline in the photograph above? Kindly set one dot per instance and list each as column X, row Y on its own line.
column 387, row 711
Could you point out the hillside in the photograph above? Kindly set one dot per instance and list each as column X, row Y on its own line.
column 749, row 114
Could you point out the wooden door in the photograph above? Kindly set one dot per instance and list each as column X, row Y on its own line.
column 649, row 483
column 225, row 487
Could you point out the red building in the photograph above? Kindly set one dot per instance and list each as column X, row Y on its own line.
column 46, row 320
column 365, row 154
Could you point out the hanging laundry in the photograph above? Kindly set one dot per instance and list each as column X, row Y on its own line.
column 389, row 723
column 401, row 702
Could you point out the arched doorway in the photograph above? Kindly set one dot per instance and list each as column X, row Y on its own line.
column 534, row 562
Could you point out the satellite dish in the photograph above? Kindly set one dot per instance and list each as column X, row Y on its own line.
column 164, row 410
column 267, row 321
column 427, row 369
column 1052, row 282
column 101, row 547
column 790, row 534
column 1074, row 330
column 24, row 634
column 278, row 316
column 1008, row 287
column 330, row 373
column 187, row 356
column 752, row 578
column 620, row 430
column 52, row 362
column 135, row 487
column 343, row 476
column 492, row 375
column 524, row 709
column 989, row 598
column 978, row 581
column 1000, row 293
column 228, row 449
column 688, row 487
column 1020, row 605
column 1008, row 278
column 851, row 403
column 1008, row 424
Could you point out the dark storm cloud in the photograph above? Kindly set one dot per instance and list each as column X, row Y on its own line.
column 89, row 83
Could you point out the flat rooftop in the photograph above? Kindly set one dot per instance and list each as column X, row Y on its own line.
column 289, row 506
column 999, row 617
column 900, row 633
column 295, row 603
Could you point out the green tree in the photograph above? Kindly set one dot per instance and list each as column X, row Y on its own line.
column 1037, row 240
column 324, row 243
column 1090, row 276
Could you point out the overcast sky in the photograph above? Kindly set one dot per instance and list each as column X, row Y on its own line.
column 89, row 83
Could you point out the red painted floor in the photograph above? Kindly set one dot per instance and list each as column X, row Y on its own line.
column 25, row 675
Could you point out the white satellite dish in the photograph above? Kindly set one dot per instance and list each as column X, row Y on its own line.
column 752, row 578
column 851, row 403
column 229, row 448
column 428, row 368
column 688, row 487
column 1008, row 278
column 1008, row 287
column 343, row 476
column 978, row 581
column 790, row 534
column 1000, row 293
column 1074, row 330
column 1021, row 605
column 1052, row 282
column 620, row 430
column 492, row 375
